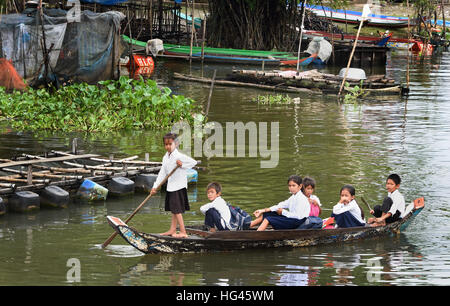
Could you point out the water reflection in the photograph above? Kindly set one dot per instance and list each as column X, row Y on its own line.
column 372, row 262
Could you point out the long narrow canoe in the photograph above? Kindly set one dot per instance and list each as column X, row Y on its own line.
column 355, row 17
column 203, row 241
column 223, row 55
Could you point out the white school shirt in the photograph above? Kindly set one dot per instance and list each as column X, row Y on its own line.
column 178, row 180
column 221, row 206
column 297, row 204
column 398, row 203
column 352, row 207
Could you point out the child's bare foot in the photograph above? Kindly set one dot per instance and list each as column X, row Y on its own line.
column 376, row 224
column 179, row 235
column 168, row 233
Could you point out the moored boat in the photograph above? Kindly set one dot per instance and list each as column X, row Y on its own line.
column 219, row 55
column 392, row 42
column 348, row 16
column 200, row 240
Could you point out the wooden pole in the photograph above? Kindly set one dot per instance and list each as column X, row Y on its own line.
column 29, row 175
column 353, row 50
column 204, row 38
column 108, row 241
column 44, row 44
column 151, row 19
column 443, row 18
column 130, row 54
column 407, row 57
column 301, row 37
column 210, row 93
column 192, row 32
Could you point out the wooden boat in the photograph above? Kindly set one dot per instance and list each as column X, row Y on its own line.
column 222, row 55
column 302, row 62
column 203, row 241
column 188, row 20
column 373, row 20
column 392, row 42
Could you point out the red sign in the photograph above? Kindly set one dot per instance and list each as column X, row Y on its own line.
column 143, row 61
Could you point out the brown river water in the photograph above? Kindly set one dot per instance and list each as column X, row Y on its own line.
column 336, row 144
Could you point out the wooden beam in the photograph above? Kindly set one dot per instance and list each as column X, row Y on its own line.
column 46, row 160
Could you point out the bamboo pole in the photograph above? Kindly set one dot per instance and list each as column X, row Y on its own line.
column 18, row 180
column 204, row 38
column 44, row 44
column 210, row 93
column 443, row 18
column 407, row 57
column 192, row 32
column 364, row 15
column 44, row 174
column 301, row 37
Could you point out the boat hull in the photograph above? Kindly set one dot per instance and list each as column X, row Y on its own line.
column 202, row 241
column 373, row 20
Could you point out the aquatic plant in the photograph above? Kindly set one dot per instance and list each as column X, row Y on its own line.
column 273, row 99
column 110, row 105
column 354, row 93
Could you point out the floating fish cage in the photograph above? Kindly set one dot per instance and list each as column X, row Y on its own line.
column 29, row 182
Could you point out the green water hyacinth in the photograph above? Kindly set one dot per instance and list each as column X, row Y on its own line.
column 110, row 105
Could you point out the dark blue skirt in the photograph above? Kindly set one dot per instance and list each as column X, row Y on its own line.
column 346, row 219
column 282, row 222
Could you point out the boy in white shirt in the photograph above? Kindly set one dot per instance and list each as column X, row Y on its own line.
column 393, row 205
column 217, row 213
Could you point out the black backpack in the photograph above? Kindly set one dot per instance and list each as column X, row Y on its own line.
column 240, row 219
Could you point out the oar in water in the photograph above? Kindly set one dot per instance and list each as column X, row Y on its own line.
column 108, row 241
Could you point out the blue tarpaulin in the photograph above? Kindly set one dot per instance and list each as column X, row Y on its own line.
column 105, row 2
column 113, row 2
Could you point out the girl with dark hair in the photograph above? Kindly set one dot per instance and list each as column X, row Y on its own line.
column 308, row 188
column 347, row 213
column 289, row 214
column 176, row 192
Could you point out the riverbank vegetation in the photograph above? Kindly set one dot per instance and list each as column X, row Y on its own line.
column 111, row 105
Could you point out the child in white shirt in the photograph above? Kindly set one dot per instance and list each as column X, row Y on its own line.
column 347, row 212
column 393, row 205
column 217, row 213
column 289, row 214
column 176, row 193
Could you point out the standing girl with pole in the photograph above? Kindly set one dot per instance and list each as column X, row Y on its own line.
column 176, row 193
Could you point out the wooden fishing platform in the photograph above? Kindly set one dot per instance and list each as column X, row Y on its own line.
column 310, row 82
column 66, row 170
column 318, row 81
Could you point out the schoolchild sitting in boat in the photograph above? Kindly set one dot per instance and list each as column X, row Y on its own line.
column 393, row 205
column 289, row 214
column 308, row 188
column 217, row 213
column 347, row 213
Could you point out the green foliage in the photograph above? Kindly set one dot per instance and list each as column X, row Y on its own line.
column 273, row 99
column 113, row 105
column 355, row 93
